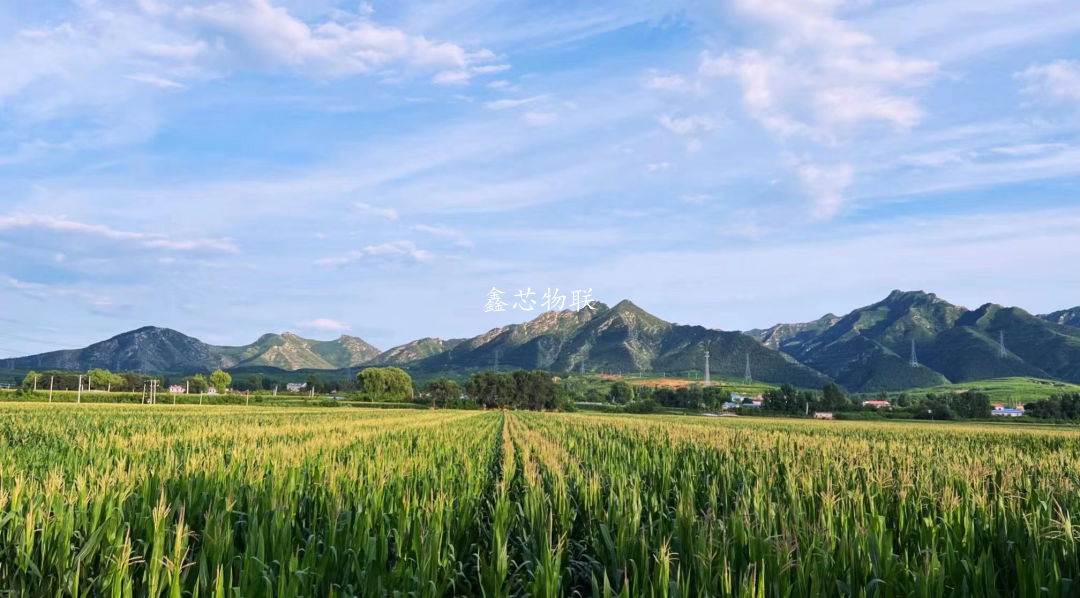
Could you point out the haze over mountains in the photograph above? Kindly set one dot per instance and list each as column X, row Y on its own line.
column 867, row 350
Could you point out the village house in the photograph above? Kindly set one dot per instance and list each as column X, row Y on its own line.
column 296, row 386
column 878, row 404
column 1003, row 411
column 823, row 415
column 177, row 389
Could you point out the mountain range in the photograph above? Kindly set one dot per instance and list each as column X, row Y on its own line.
column 871, row 348
column 867, row 350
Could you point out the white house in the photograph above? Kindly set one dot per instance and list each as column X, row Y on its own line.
column 211, row 391
column 177, row 389
column 296, row 387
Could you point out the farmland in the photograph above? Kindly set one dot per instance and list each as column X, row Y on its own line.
column 129, row 500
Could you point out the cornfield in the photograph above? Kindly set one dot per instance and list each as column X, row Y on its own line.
column 137, row 501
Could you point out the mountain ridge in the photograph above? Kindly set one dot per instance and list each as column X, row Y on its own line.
column 867, row 350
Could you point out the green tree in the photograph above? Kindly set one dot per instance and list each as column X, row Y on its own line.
column 256, row 383
column 105, row 380
column 442, row 392
column 313, row 383
column 32, row 381
column 833, row 398
column 783, row 400
column 621, row 393
column 385, row 384
column 220, row 380
column 198, row 383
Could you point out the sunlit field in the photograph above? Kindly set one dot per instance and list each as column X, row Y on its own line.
column 108, row 500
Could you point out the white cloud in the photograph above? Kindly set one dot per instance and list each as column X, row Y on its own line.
column 540, row 119
column 406, row 250
column 148, row 240
column 1053, row 81
column 326, row 324
column 85, row 60
column 698, row 197
column 824, row 185
column 658, row 166
column 695, row 124
column 364, row 208
column 514, row 103
column 157, row 81
column 97, row 301
column 820, row 77
column 654, row 80
column 459, row 237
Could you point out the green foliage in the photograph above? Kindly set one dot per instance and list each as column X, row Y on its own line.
column 31, row 381
column 519, row 389
column 385, row 384
column 1059, row 407
column 220, row 380
column 100, row 379
column 198, row 384
column 442, row 392
column 621, row 393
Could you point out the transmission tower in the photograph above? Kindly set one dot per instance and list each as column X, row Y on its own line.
column 1001, row 345
column 914, row 359
column 707, row 380
column 496, row 361
column 748, row 378
column 582, row 366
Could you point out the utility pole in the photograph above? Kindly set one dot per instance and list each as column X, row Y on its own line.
column 51, row 387
column 708, row 381
column 78, row 397
column 89, row 382
column 188, row 390
column 144, row 393
column 35, row 383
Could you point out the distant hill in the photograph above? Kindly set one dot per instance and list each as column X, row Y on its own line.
column 152, row 349
column 291, row 352
column 1065, row 317
column 869, row 349
column 623, row 338
column 147, row 349
column 866, row 351
column 415, row 351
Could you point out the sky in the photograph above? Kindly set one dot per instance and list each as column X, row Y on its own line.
column 229, row 168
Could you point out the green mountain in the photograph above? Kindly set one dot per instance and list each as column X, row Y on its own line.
column 415, row 351
column 1065, row 317
column 291, row 352
column 788, row 333
column 148, row 349
column 869, row 349
column 151, row 349
column 623, row 338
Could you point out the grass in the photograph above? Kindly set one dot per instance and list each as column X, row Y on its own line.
column 183, row 501
column 1006, row 390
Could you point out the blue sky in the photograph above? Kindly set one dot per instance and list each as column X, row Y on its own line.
column 234, row 167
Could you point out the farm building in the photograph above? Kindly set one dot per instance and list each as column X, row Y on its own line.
column 823, row 415
column 1004, row 411
column 177, row 389
column 296, row 386
column 878, row 404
